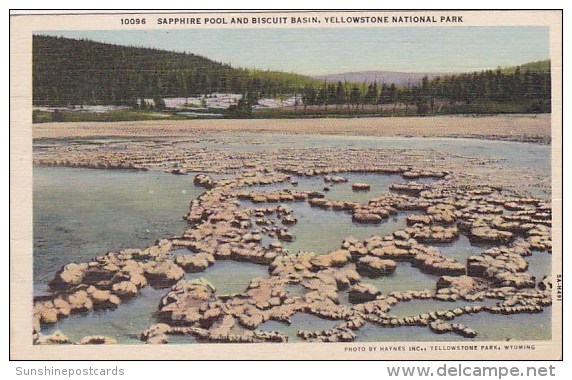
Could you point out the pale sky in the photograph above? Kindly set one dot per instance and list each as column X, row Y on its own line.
column 337, row 50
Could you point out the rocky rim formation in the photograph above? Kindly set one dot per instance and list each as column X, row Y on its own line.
column 221, row 227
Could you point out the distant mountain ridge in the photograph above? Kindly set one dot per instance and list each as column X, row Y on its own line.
column 413, row 79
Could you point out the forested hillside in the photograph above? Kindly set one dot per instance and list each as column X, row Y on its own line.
column 528, row 86
column 533, row 67
column 69, row 71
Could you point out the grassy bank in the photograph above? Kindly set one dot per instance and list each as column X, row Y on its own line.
column 343, row 111
column 111, row 116
column 444, row 109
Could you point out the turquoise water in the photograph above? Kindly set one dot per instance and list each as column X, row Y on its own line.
column 296, row 290
column 341, row 191
column 539, row 264
column 135, row 315
column 230, row 277
column 322, row 231
column 460, row 249
column 405, row 277
column 83, row 213
column 181, row 339
column 123, row 324
column 510, row 327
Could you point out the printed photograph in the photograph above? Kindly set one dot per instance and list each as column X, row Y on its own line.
column 292, row 185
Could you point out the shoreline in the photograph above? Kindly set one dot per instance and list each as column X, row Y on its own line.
column 518, row 128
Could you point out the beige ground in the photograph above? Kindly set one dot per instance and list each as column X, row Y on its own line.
column 506, row 127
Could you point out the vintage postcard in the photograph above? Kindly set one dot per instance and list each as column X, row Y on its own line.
column 286, row 185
